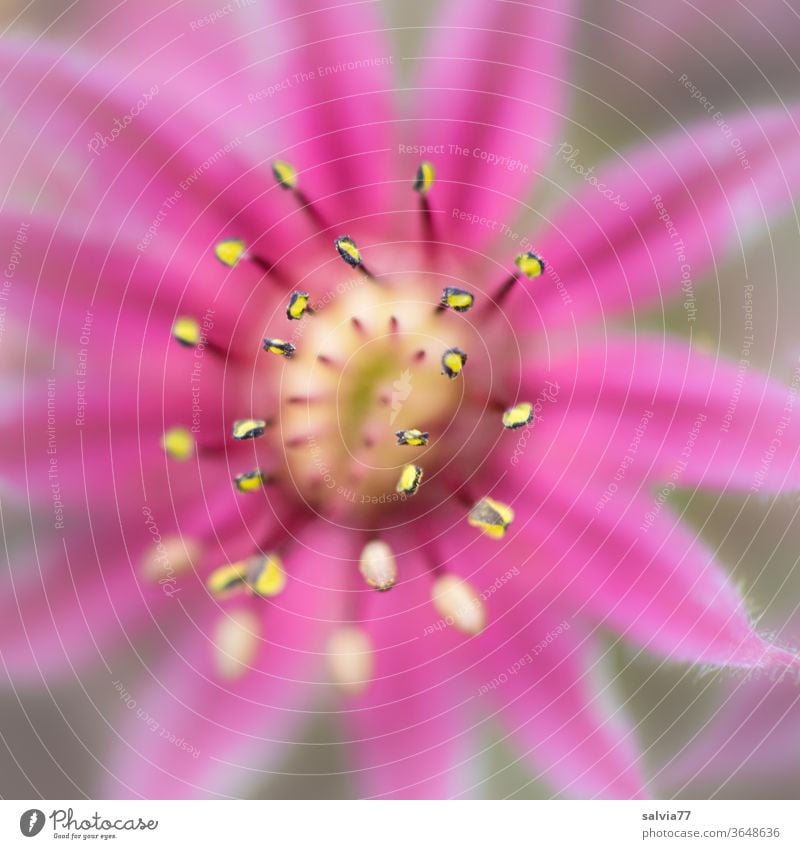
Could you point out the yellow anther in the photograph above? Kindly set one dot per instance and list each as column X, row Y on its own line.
column 285, row 174
column 350, row 659
column 378, row 565
column 236, row 637
column 423, row 181
column 251, row 481
column 248, row 428
column 457, row 602
column 298, row 305
column 518, row 416
column 458, row 299
column 409, row 479
column 492, row 517
column 453, row 360
column 228, row 580
column 265, row 576
column 279, row 347
column 348, row 251
column 412, row 436
column 230, row 251
column 178, row 443
column 186, row 331
column 530, row 264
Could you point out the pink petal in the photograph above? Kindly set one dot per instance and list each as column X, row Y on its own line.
column 409, row 731
column 667, row 215
column 533, row 667
column 539, row 673
column 633, row 566
column 309, row 83
column 171, row 176
column 334, row 116
column 490, row 83
column 229, row 732
column 670, row 414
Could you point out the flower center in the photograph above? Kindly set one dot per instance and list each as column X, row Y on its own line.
column 368, row 367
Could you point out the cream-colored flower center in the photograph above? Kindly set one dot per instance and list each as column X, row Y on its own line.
column 367, row 365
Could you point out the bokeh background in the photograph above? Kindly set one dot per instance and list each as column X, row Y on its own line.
column 627, row 61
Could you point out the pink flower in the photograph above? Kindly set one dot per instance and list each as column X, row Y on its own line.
column 135, row 162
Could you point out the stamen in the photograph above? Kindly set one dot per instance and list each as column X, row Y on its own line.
column 231, row 252
column 172, row 556
column 457, row 602
column 412, row 436
column 178, row 443
column 186, row 331
column 279, row 347
column 423, row 183
column 236, row 639
column 228, row 580
column 530, row 264
column 251, row 481
column 518, row 416
column 409, row 481
column 350, row 659
column 492, row 517
column 457, row 299
column 266, row 576
column 426, row 174
column 349, row 252
column 453, row 360
column 248, row 428
column 261, row 575
column 298, row 306
column 285, row 174
column 378, row 565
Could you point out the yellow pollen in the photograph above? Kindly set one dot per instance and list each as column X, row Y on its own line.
column 178, row 443
column 425, row 177
column 285, row 174
column 412, row 436
column 350, row 659
column 279, row 347
column 409, row 481
column 248, row 428
column 492, row 517
column 228, row 580
column 458, row 299
column 236, row 639
column 298, row 306
column 230, row 251
column 348, row 251
column 266, row 576
column 250, row 481
column 530, row 264
column 457, row 602
column 518, row 416
column 453, row 361
column 186, row 331
column 378, row 565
